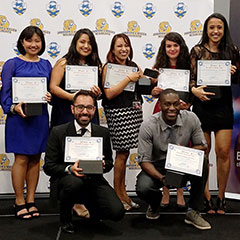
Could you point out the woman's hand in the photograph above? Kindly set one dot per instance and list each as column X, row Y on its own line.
column 156, row 91
column 48, row 97
column 96, row 91
column 184, row 105
column 135, row 76
column 233, row 69
column 18, row 109
column 201, row 94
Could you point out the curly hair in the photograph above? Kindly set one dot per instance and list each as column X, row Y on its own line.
column 162, row 59
column 73, row 56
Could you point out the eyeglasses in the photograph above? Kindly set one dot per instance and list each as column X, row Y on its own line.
column 81, row 107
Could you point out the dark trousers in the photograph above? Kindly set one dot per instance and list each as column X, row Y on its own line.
column 94, row 192
column 148, row 188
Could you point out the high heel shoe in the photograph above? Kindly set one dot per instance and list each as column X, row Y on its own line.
column 126, row 206
column 221, row 206
column 134, row 204
column 209, row 206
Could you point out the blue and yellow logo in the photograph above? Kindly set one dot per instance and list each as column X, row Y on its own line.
column 3, row 117
column 149, row 51
column 180, row 10
column 163, row 29
column 41, row 164
column 149, row 10
column 53, row 8
column 38, row 23
column 4, row 25
column 15, row 49
column 133, row 162
column 118, row 9
column 53, row 50
column 102, row 27
column 133, row 30
column 196, row 28
column 69, row 28
column 19, row 7
column 102, row 116
column 149, row 98
column 4, row 162
column 85, row 8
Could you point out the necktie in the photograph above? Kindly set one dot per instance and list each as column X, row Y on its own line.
column 172, row 137
column 82, row 132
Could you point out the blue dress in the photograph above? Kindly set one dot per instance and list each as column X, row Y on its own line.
column 28, row 135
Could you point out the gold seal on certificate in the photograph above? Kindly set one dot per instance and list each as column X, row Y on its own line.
column 81, row 77
column 116, row 73
column 29, row 89
column 177, row 79
column 214, row 72
column 184, row 159
column 86, row 149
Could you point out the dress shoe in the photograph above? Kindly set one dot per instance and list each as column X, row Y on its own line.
column 67, row 227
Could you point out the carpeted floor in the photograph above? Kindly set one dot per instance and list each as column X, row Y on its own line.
column 134, row 225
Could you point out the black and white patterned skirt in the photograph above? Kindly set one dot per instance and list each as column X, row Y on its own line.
column 124, row 124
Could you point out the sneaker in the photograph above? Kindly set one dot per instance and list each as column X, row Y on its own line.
column 193, row 217
column 150, row 214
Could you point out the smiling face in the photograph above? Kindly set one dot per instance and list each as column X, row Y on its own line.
column 121, row 50
column 215, row 30
column 172, row 50
column 32, row 46
column 83, row 45
column 170, row 105
column 83, row 115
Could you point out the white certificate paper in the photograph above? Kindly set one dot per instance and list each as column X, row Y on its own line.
column 184, row 159
column 116, row 73
column 81, row 77
column 214, row 72
column 177, row 79
column 29, row 89
column 83, row 148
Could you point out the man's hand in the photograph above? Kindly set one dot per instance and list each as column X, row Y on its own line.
column 76, row 170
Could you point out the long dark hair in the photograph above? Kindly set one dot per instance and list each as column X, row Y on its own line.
column 111, row 56
column 226, row 46
column 26, row 34
column 73, row 56
column 162, row 59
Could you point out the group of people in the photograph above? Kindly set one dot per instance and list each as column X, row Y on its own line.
column 76, row 113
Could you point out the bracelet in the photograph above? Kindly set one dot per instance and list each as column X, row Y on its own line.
column 70, row 169
column 12, row 109
column 129, row 78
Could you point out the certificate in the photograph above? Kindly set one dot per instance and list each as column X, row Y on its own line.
column 81, row 77
column 116, row 73
column 184, row 159
column 214, row 72
column 83, row 148
column 29, row 89
column 177, row 79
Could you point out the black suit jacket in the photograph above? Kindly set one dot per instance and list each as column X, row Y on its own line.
column 54, row 157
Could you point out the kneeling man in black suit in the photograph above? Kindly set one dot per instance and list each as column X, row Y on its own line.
column 67, row 181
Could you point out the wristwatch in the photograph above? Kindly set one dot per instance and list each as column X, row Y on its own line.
column 12, row 109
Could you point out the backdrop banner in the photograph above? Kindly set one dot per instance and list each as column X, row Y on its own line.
column 145, row 22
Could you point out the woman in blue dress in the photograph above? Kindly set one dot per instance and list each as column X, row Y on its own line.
column 25, row 136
